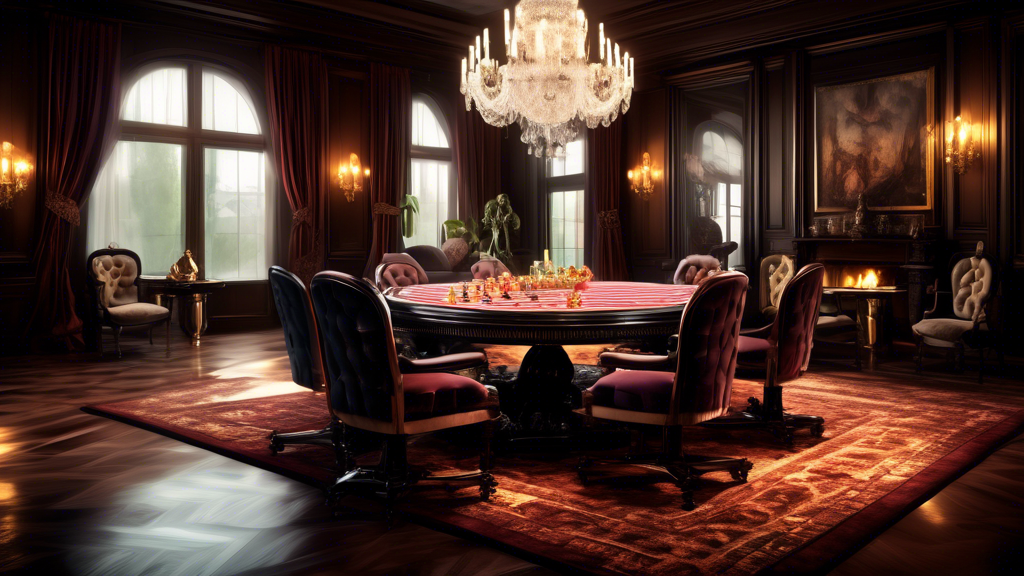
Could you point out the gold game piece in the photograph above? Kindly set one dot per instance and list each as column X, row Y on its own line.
column 451, row 294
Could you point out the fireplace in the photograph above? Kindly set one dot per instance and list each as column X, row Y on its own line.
column 860, row 276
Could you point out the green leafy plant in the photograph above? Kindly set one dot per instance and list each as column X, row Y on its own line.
column 468, row 231
column 410, row 206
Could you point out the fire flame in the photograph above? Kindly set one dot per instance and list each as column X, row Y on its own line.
column 870, row 281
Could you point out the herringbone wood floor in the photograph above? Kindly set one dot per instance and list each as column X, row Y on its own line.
column 84, row 495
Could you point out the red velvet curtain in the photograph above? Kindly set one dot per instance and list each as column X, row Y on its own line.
column 478, row 159
column 296, row 83
column 605, row 151
column 83, row 73
column 390, row 134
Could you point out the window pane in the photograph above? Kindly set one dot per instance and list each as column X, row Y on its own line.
column 426, row 130
column 138, row 202
column 234, row 187
column 159, row 97
column 566, row 228
column 429, row 184
column 225, row 105
column 572, row 163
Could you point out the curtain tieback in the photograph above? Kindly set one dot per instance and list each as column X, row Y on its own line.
column 64, row 207
column 609, row 219
column 302, row 215
column 385, row 209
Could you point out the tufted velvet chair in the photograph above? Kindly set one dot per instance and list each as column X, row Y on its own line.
column 783, row 350
column 367, row 390
column 698, row 390
column 974, row 279
column 694, row 268
column 396, row 269
column 488, row 268
column 112, row 276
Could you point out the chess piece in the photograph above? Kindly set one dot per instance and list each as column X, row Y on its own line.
column 451, row 294
column 185, row 269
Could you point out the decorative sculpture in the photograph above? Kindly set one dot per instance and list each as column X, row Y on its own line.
column 499, row 217
column 860, row 219
column 185, row 269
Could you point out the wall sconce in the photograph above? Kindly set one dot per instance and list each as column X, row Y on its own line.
column 351, row 177
column 13, row 175
column 961, row 138
column 642, row 179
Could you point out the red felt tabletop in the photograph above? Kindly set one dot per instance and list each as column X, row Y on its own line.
column 597, row 296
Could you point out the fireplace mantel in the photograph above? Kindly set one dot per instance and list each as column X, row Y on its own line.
column 883, row 250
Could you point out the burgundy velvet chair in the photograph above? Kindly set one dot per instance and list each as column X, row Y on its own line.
column 782, row 351
column 698, row 390
column 397, row 269
column 488, row 268
column 367, row 390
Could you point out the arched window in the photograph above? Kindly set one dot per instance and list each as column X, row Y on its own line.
column 721, row 154
column 189, row 137
column 431, row 174
column 565, row 183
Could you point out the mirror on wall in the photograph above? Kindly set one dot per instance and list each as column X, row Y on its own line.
column 713, row 159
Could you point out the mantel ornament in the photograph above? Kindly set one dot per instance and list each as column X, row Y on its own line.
column 185, row 269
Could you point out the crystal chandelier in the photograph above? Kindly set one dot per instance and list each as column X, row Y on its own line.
column 548, row 85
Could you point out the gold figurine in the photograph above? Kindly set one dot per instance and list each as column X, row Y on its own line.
column 574, row 299
column 185, row 269
column 451, row 294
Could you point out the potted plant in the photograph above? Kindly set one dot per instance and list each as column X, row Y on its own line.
column 410, row 206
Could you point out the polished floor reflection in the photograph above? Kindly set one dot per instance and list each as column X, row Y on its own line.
column 81, row 494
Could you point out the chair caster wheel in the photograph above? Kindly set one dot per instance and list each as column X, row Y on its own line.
column 818, row 430
column 740, row 475
column 582, row 477
column 688, row 503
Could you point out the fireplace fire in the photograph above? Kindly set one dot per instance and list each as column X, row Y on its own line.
column 859, row 277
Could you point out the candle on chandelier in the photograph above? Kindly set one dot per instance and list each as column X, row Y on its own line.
column 608, row 51
column 472, row 58
column 508, row 37
column 632, row 72
column 600, row 28
column 487, row 45
column 515, row 42
column 540, row 38
column 618, row 61
column 625, row 65
column 463, row 77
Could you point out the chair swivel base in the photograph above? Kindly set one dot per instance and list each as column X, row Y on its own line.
column 769, row 416
column 684, row 471
column 331, row 437
column 393, row 476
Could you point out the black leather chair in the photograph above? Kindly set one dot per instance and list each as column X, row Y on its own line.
column 113, row 275
column 781, row 351
column 302, row 339
column 698, row 388
column 367, row 390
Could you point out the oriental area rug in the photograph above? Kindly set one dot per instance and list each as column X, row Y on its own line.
column 889, row 444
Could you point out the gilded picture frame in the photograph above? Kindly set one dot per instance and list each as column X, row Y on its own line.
column 875, row 137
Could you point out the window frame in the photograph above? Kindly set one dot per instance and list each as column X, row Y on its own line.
column 437, row 154
column 569, row 182
column 195, row 140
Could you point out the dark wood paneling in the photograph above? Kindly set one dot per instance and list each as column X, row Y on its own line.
column 347, row 223
column 973, row 200
column 648, row 223
column 242, row 306
column 19, row 105
column 1011, row 134
column 775, row 146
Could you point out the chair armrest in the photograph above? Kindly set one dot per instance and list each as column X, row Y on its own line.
column 934, row 289
column 762, row 332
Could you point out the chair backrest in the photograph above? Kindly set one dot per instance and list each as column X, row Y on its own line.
column 301, row 337
column 709, row 334
column 776, row 271
column 398, row 269
column 974, row 280
column 694, row 268
column 430, row 257
column 358, row 348
column 488, row 268
column 117, row 270
column 793, row 329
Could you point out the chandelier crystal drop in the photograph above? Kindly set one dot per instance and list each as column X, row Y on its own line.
column 548, row 85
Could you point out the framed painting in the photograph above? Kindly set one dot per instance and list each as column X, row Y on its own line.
column 875, row 138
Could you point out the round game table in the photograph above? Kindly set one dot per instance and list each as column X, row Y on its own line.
column 543, row 393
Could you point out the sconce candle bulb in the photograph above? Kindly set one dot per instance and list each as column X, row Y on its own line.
column 961, row 139
column 641, row 181
column 13, row 175
column 350, row 177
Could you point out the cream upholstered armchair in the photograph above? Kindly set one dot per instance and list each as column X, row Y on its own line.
column 113, row 273
column 974, row 280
